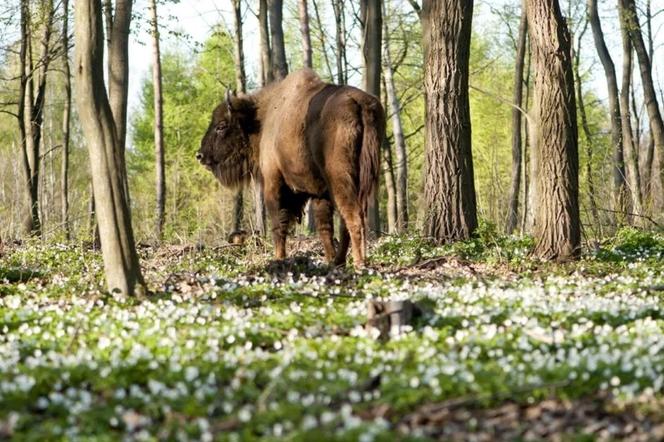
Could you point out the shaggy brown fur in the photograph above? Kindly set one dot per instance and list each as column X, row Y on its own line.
column 303, row 139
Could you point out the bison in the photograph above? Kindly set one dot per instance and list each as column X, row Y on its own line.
column 303, row 139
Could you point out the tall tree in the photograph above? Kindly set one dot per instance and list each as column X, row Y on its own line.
column 66, row 122
column 33, row 80
column 590, row 147
column 118, row 68
column 557, row 226
column 371, row 19
column 307, row 62
column 630, row 22
column 649, row 155
column 614, row 106
column 266, row 52
column 277, row 45
column 517, row 118
column 121, row 263
column 322, row 39
column 266, row 77
column 629, row 153
column 303, row 9
column 340, row 50
column 241, row 86
column 449, row 190
column 401, row 169
column 160, row 166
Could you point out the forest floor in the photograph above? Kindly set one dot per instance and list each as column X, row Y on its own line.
column 233, row 346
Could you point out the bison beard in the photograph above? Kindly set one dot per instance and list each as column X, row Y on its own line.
column 304, row 140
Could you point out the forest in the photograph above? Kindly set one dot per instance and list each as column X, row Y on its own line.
column 505, row 280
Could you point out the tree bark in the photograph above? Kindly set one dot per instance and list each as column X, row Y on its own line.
column 590, row 145
column 340, row 52
column 121, row 264
column 517, row 118
column 390, row 188
column 118, row 83
column 34, row 103
column 321, row 39
column 649, row 155
column 449, row 190
column 631, row 165
column 159, row 163
column 306, row 34
column 241, row 86
column 21, row 114
column 557, row 224
column 307, row 61
column 266, row 53
column 614, row 107
column 630, row 21
column 266, row 78
column 529, row 157
column 399, row 140
column 279, row 65
column 66, row 119
column 371, row 19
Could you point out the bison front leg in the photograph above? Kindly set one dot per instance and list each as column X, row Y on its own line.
column 279, row 218
column 323, row 212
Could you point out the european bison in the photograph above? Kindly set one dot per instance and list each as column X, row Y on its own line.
column 303, row 139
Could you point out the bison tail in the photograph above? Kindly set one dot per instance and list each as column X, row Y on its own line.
column 373, row 121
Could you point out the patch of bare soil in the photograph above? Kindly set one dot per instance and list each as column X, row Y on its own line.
column 552, row 420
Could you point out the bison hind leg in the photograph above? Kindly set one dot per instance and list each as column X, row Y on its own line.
column 344, row 242
column 323, row 214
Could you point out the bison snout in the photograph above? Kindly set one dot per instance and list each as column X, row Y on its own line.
column 199, row 156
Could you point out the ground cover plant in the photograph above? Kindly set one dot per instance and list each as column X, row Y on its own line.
column 233, row 346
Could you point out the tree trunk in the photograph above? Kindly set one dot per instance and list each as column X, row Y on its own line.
column 614, row 107
column 307, row 61
column 340, row 52
column 513, row 210
column 306, row 34
column 121, row 264
column 529, row 152
column 649, row 154
column 31, row 223
column 118, row 80
column 159, row 163
column 371, row 19
column 266, row 77
column 321, row 39
column 66, row 117
column 34, row 103
column 590, row 147
column 449, row 190
column 279, row 65
column 631, row 166
column 390, row 188
column 266, row 53
column 399, row 140
column 630, row 21
column 241, row 86
column 557, row 224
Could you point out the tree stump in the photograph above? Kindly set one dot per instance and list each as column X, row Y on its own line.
column 390, row 317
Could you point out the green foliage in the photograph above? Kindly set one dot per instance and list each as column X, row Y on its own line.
column 631, row 244
column 487, row 245
column 193, row 87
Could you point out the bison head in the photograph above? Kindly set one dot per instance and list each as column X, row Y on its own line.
column 225, row 147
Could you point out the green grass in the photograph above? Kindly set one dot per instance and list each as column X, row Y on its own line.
column 233, row 347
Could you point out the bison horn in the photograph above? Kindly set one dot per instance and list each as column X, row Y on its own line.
column 229, row 95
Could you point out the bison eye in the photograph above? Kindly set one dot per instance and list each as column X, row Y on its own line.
column 221, row 128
